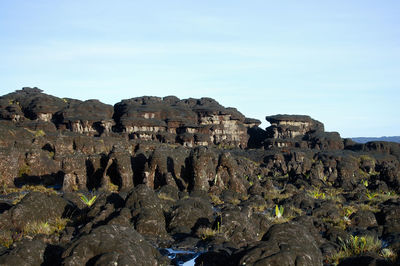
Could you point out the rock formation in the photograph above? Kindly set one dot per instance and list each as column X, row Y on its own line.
column 186, row 173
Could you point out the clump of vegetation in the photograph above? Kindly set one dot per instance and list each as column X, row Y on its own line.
column 388, row 254
column 39, row 188
column 371, row 195
column 215, row 199
column 24, row 170
column 334, row 194
column 233, row 201
column 316, row 193
column 348, row 211
column 260, row 207
column 39, row 133
column 355, row 246
column 51, row 155
column 52, row 226
column 279, row 211
column 36, row 133
column 337, row 222
column 22, row 191
column 18, row 198
column 275, row 194
column 112, row 187
column 368, row 207
column 6, row 238
column 26, row 188
column 364, row 182
column 36, row 228
column 164, row 196
column 88, row 202
column 206, row 233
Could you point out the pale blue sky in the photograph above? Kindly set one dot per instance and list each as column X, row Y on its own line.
column 337, row 61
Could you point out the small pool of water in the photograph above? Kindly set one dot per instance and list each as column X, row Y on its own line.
column 180, row 257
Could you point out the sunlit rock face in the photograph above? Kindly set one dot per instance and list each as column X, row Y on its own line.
column 90, row 117
column 287, row 131
column 190, row 122
column 291, row 126
column 29, row 103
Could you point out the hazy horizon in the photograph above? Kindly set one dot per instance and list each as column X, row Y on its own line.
column 336, row 61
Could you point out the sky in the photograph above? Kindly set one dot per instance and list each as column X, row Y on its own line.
column 337, row 61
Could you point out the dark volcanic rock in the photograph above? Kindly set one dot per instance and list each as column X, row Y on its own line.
column 147, row 212
column 283, row 244
column 290, row 126
column 111, row 245
column 35, row 206
column 30, row 103
column 89, row 117
column 300, row 131
column 193, row 122
column 189, row 214
column 26, row 253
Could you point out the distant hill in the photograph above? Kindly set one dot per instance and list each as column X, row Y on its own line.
column 367, row 139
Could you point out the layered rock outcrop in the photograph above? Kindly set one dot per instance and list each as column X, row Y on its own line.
column 300, row 131
column 191, row 144
column 189, row 122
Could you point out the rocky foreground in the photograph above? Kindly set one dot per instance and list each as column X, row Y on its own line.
column 162, row 181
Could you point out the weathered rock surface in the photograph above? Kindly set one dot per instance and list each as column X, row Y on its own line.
column 26, row 253
column 284, row 244
column 111, row 245
column 34, row 207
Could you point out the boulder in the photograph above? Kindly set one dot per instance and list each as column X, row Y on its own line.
column 111, row 245
column 283, row 244
column 147, row 211
column 37, row 207
column 26, row 253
